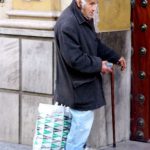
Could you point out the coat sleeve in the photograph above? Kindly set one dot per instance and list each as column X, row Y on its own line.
column 71, row 51
column 107, row 53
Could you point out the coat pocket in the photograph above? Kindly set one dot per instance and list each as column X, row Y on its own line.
column 77, row 83
column 84, row 91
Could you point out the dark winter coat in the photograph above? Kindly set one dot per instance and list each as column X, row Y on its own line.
column 79, row 61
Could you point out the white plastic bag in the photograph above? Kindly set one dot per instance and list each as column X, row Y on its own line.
column 52, row 127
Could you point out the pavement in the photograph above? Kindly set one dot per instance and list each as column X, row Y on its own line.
column 128, row 145
column 10, row 146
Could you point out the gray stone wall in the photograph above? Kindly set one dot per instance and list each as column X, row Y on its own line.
column 9, row 62
column 27, row 75
column 9, row 110
column 101, row 134
column 26, row 79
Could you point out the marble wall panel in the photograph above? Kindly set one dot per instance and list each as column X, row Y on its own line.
column 97, row 137
column 9, row 117
column 9, row 63
column 37, row 66
column 101, row 134
column 122, row 87
column 29, row 111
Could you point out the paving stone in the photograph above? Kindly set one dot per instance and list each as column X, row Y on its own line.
column 130, row 145
column 9, row 146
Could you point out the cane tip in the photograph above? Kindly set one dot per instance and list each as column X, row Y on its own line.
column 114, row 144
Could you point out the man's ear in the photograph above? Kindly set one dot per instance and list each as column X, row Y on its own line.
column 79, row 3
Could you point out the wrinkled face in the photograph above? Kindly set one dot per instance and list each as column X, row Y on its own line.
column 88, row 8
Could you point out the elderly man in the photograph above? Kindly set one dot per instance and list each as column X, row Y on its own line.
column 81, row 58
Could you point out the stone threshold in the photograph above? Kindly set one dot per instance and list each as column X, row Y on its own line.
column 28, row 24
column 38, row 14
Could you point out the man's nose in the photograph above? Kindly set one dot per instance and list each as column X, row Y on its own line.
column 94, row 7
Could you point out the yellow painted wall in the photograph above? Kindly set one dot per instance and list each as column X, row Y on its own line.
column 37, row 5
column 114, row 15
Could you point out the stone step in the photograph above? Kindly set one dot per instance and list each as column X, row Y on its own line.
column 27, row 24
column 33, row 14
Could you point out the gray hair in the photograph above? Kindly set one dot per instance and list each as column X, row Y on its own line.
column 83, row 2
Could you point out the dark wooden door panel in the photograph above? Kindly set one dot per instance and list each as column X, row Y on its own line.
column 140, row 89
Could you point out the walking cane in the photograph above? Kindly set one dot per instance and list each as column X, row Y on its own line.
column 113, row 106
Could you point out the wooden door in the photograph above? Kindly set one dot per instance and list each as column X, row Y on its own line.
column 140, row 89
